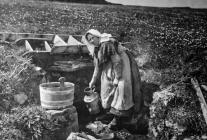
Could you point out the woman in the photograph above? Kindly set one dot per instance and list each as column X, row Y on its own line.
column 120, row 80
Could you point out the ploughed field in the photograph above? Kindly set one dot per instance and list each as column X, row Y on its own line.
column 169, row 44
column 171, row 32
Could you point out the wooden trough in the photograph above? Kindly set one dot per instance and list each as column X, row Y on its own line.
column 58, row 55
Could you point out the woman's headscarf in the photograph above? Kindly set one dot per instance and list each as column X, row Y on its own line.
column 103, row 37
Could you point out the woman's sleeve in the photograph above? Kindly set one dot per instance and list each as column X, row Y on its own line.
column 108, row 52
column 97, row 71
column 117, row 66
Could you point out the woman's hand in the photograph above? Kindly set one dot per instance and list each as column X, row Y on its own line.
column 115, row 82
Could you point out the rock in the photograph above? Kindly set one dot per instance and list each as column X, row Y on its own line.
column 158, row 117
column 97, row 127
column 20, row 98
column 80, row 136
column 67, row 118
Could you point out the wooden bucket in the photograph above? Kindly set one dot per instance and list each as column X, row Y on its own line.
column 54, row 96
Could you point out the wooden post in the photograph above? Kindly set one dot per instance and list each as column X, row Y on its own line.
column 200, row 97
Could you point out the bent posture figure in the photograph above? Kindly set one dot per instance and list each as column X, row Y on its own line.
column 120, row 79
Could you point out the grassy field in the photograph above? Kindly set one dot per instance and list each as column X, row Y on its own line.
column 170, row 41
column 171, row 32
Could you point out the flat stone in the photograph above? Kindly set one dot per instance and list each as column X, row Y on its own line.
column 68, row 118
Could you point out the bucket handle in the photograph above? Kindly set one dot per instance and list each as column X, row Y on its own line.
column 62, row 82
column 89, row 90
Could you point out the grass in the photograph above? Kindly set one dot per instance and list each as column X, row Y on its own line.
column 171, row 38
column 165, row 35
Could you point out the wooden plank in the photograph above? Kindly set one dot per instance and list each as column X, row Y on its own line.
column 20, row 41
column 69, row 68
column 200, row 97
column 67, row 49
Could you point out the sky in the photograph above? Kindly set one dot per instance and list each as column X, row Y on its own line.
column 164, row 3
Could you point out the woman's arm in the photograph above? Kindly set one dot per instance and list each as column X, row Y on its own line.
column 96, row 73
column 117, row 67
